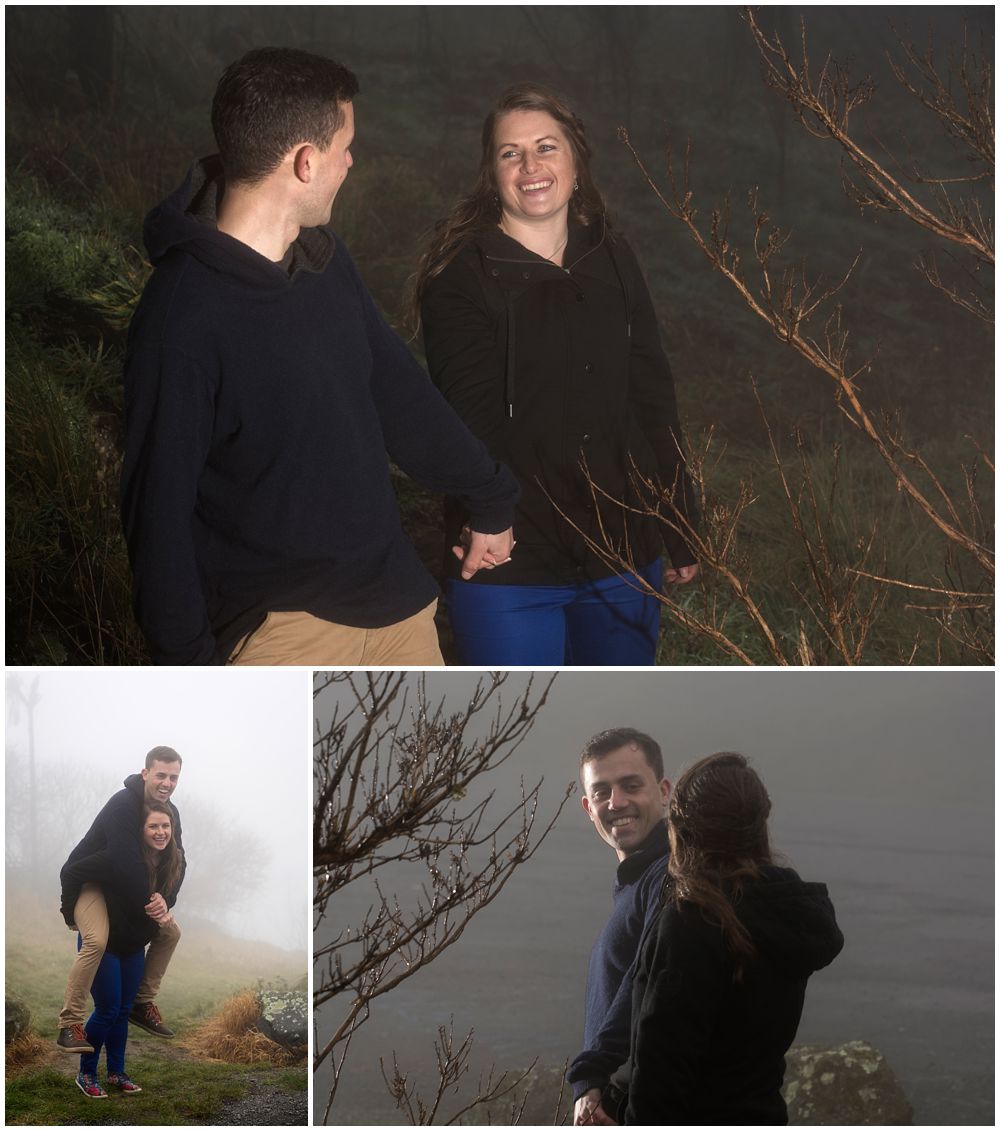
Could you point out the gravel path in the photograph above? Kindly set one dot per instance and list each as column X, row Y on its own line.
column 264, row 1105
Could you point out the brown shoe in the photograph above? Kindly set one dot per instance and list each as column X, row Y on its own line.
column 147, row 1017
column 72, row 1038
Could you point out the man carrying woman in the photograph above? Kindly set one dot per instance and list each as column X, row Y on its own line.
column 121, row 880
column 131, row 925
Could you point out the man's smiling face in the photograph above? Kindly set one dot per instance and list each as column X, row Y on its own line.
column 161, row 780
column 623, row 798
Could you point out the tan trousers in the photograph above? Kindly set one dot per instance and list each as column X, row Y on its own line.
column 300, row 638
column 91, row 918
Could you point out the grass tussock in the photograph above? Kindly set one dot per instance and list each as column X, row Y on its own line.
column 24, row 1052
column 231, row 1035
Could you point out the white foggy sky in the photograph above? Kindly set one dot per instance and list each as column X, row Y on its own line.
column 245, row 739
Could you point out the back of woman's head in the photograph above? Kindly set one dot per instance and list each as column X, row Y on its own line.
column 717, row 820
column 718, row 813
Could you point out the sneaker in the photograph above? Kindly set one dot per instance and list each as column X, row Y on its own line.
column 72, row 1038
column 90, row 1087
column 147, row 1017
column 120, row 1080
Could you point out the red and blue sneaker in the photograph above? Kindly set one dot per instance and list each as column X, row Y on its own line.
column 120, row 1080
column 88, row 1084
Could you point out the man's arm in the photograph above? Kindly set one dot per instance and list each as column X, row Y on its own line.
column 169, row 413
column 426, row 438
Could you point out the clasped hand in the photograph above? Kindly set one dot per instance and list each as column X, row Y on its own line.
column 157, row 908
column 483, row 551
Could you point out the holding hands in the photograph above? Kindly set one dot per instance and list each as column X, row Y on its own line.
column 483, row 551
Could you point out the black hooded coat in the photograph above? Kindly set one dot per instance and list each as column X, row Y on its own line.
column 263, row 404
column 110, row 854
column 709, row 1047
column 561, row 373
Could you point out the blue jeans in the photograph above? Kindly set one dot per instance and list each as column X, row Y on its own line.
column 115, row 985
column 589, row 624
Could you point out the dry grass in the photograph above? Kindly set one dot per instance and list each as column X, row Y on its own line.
column 231, row 1035
column 24, row 1052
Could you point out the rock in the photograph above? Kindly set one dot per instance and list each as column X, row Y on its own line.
column 847, row 1084
column 17, row 1017
column 284, row 1017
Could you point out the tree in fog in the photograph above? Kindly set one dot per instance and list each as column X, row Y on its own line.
column 400, row 781
column 842, row 581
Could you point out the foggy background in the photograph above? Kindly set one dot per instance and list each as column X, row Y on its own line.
column 882, row 786
column 429, row 74
column 243, row 794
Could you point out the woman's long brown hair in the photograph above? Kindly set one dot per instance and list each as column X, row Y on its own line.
column 479, row 208
column 717, row 820
column 163, row 869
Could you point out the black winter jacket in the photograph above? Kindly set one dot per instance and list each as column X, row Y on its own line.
column 263, row 404
column 117, row 834
column 129, row 927
column 551, row 367
column 706, row 1048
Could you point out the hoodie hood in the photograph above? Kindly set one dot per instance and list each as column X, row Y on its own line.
column 134, row 784
column 186, row 222
column 792, row 922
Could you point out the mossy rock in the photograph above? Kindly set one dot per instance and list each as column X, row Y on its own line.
column 849, row 1084
column 284, row 1017
column 17, row 1017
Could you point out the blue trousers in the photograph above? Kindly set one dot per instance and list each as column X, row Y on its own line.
column 590, row 624
column 114, row 989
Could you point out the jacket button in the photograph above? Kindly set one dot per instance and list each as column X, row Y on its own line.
column 495, row 272
column 525, row 274
column 588, row 368
column 579, row 297
column 586, row 437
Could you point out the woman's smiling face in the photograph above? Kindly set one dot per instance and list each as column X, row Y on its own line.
column 156, row 831
column 534, row 166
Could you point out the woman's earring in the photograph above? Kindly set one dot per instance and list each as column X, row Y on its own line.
column 576, row 185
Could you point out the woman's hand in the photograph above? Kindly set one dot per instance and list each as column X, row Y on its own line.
column 483, row 551
column 682, row 575
column 157, row 908
column 587, row 1112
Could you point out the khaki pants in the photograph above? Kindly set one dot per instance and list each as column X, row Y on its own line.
column 91, row 918
column 300, row 638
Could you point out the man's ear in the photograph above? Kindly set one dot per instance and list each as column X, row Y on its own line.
column 665, row 792
column 585, row 802
column 302, row 162
column 145, row 775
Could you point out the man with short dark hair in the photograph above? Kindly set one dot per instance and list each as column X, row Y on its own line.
column 265, row 396
column 625, row 795
column 117, row 831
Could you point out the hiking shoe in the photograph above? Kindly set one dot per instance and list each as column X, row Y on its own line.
column 72, row 1038
column 147, row 1017
column 121, row 1081
column 88, row 1084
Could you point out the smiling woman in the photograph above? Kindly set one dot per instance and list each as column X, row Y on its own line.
column 540, row 331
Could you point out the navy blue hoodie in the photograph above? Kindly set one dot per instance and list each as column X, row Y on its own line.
column 607, row 1020
column 263, row 404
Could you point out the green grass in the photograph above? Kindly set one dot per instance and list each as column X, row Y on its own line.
column 175, row 1092
column 208, row 967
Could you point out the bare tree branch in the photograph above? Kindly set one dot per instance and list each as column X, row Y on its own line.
column 399, row 781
